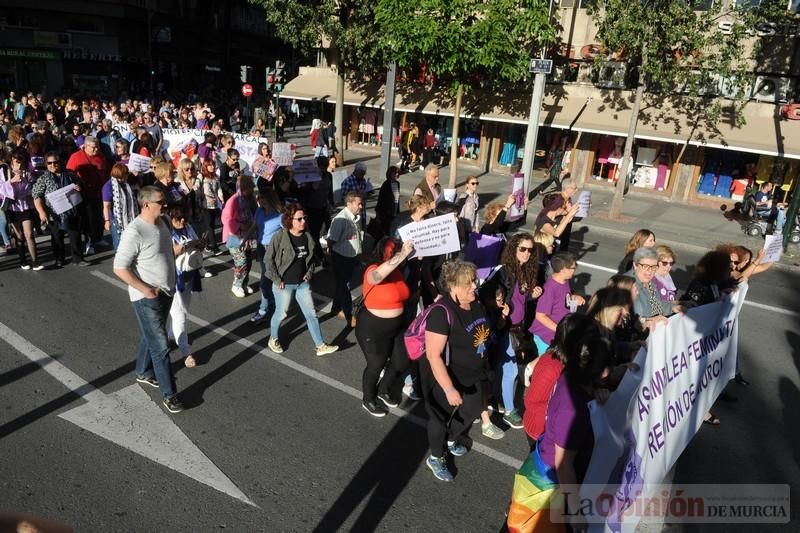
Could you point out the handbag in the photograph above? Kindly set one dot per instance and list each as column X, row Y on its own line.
column 523, row 344
column 189, row 260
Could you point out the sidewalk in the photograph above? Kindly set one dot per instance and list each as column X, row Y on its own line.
column 674, row 224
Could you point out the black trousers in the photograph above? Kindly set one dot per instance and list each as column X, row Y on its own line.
column 377, row 338
column 58, row 246
column 443, row 423
column 94, row 214
column 211, row 233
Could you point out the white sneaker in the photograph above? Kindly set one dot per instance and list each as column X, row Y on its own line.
column 491, row 431
column 248, row 289
column 238, row 292
column 205, row 273
column 274, row 345
column 325, row 349
column 408, row 390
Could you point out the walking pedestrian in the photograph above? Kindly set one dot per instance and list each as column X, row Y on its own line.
column 344, row 244
column 239, row 233
column 290, row 261
column 268, row 223
column 145, row 261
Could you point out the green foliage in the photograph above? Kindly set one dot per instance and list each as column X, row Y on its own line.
column 349, row 25
column 681, row 50
column 465, row 42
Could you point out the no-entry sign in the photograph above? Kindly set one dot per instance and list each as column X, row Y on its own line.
column 247, row 90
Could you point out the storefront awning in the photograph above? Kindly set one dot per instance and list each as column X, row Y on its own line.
column 579, row 108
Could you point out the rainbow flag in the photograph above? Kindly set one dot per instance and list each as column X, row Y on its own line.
column 535, row 492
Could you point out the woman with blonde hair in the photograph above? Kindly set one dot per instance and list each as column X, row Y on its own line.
column 545, row 245
column 469, row 202
column 457, row 332
column 495, row 217
column 663, row 280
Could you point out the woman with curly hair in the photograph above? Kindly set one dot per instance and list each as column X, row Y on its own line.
column 517, row 277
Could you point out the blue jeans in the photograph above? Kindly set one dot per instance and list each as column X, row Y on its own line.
column 267, row 297
column 508, row 369
column 115, row 234
column 283, row 297
column 781, row 220
column 3, row 230
column 152, row 358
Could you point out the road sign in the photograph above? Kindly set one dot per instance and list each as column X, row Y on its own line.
column 541, row 66
column 247, row 89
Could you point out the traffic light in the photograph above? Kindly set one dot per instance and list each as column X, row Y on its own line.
column 270, row 80
column 280, row 79
column 244, row 73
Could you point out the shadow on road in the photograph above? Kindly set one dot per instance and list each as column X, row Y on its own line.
column 379, row 481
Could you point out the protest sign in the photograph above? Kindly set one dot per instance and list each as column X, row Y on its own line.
column 338, row 178
column 449, row 195
column 181, row 143
column 139, row 163
column 264, row 169
column 6, row 189
column 124, row 129
column 484, row 251
column 306, row 171
column 584, row 201
column 643, row 428
column 517, row 210
column 282, row 154
column 64, row 199
column 773, row 248
column 434, row 236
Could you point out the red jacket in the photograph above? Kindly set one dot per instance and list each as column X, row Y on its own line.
column 93, row 172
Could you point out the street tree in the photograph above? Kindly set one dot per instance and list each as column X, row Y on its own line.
column 345, row 29
column 466, row 44
column 680, row 52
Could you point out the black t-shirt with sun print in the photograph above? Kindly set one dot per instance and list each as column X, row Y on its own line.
column 468, row 336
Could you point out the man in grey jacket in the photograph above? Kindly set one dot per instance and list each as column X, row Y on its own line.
column 145, row 261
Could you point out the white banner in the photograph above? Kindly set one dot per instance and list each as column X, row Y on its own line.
column 641, row 431
column 432, row 236
column 584, row 202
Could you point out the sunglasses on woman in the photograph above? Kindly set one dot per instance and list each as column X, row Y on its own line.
column 524, row 249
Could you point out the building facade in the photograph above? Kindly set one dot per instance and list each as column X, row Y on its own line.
column 108, row 46
column 678, row 155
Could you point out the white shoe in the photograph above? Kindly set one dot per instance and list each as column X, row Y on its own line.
column 248, row 289
column 274, row 345
column 238, row 292
column 408, row 390
column 325, row 349
column 205, row 273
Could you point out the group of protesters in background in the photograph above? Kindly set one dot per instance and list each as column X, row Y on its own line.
column 517, row 348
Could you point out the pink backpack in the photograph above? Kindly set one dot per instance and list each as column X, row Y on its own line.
column 414, row 337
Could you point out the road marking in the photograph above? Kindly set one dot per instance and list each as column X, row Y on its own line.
column 778, row 310
column 130, row 419
column 322, row 378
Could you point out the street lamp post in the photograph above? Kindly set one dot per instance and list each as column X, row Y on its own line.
column 388, row 116
column 533, row 118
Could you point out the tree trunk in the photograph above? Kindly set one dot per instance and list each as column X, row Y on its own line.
column 338, row 116
column 619, row 191
column 451, row 183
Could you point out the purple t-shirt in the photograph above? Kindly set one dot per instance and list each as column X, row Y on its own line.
column 517, row 305
column 204, row 152
column 553, row 303
column 568, row 425
column 106, row 193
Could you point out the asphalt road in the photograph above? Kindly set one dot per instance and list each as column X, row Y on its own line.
column 288, row 445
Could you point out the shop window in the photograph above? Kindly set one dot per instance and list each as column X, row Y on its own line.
column 652, row 166
column 19, row 19
column 728, row 174
column 608, row 158
column 85, row 25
